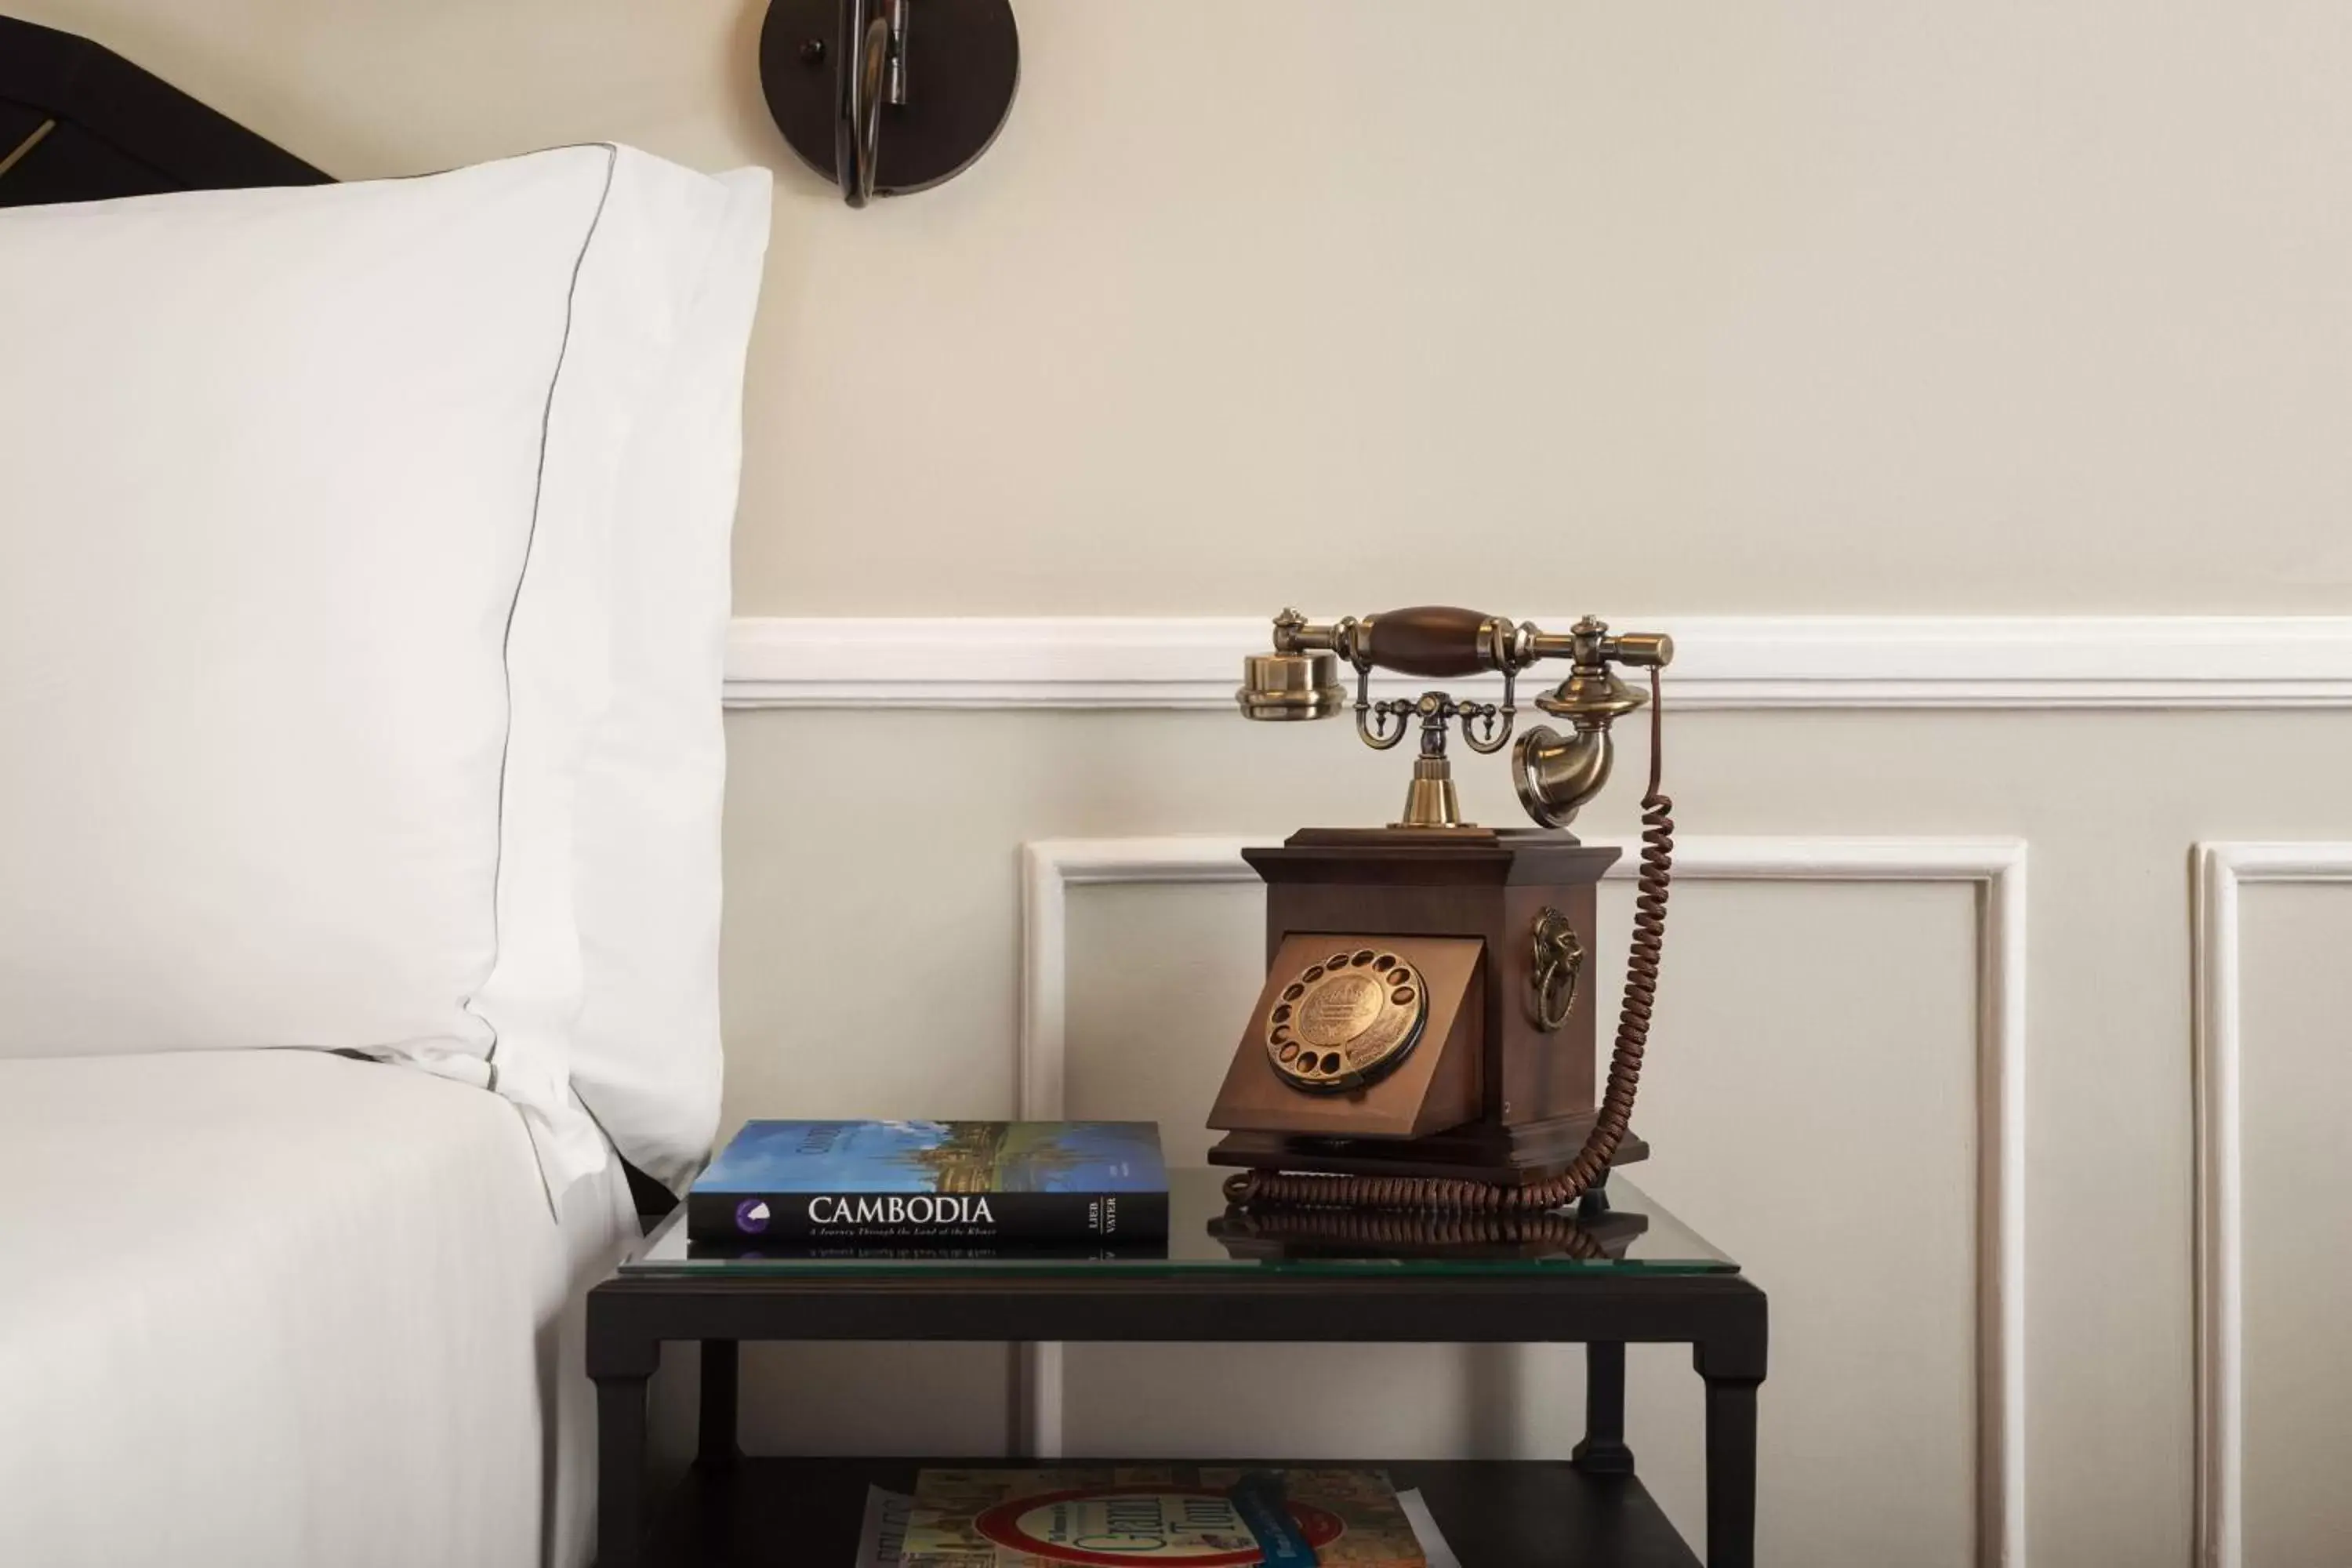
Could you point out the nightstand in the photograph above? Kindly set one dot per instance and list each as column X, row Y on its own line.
column 1616, row 1273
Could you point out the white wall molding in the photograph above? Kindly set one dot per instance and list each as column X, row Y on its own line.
column 1996, row 867
column 2221, row 868
column 1724, row 661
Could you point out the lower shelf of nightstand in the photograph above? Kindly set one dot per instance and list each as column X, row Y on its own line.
column 805, row 1513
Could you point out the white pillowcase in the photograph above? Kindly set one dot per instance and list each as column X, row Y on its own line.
column 308, row 526
column 646, row 1054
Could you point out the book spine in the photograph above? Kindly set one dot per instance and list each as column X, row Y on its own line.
column 924, row 1218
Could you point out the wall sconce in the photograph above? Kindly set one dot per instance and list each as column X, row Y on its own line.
column 888, row 97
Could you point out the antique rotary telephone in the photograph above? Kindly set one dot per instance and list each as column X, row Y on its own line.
column 1422, row 1041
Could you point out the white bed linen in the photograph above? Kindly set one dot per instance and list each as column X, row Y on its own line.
column 314, row 673
column 281, row 1307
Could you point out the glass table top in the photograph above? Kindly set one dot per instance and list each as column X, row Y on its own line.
column 1632, row 1235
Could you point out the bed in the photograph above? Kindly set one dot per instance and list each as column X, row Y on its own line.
column 363, row 596
column 285, row 1307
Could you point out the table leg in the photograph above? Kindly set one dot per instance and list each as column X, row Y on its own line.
column 1603, row 1451
column 715, row 1432
column 619, row 1471
column 1731, row 1457
column 622, row 1362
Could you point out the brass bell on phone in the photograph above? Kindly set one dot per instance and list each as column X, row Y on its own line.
column 1281, row 686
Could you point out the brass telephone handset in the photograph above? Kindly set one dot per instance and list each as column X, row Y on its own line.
column 1447, row 1065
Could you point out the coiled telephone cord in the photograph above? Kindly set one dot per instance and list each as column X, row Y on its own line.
column 1294, row 1190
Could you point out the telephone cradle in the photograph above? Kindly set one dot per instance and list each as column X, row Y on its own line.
column 1424, row 1038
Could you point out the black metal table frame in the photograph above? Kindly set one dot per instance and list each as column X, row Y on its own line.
column 1720, row 1316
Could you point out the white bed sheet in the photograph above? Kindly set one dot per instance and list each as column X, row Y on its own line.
column 286, row 1307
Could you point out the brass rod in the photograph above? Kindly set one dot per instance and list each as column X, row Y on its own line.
column 17, row 155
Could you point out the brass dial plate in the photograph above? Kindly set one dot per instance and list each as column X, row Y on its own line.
column 1346, row 1020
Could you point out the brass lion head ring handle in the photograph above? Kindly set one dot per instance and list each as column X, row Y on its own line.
column 1558, row 965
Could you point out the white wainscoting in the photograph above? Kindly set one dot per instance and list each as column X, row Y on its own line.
column 1722, row 661
column 2221, row 868
column 1995, row 866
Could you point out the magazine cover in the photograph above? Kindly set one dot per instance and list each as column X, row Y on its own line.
column 934, row 1183
column 1196, row 1515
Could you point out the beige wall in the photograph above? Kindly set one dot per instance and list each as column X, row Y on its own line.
column 1817, row 307
column 1669, row 309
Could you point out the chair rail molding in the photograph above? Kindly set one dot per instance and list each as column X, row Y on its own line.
column 2223, row 868
column 1995, row 867
column 1730, row 662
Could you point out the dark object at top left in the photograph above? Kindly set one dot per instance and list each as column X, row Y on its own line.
column 888, row 97
column 79, row 123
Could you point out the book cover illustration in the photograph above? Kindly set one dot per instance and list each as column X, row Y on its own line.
column 934, row 1183
column 1090, row 1516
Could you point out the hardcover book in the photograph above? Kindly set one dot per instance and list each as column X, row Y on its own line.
column 1202, row 1516
column 739, row 1250
column 934, row 1184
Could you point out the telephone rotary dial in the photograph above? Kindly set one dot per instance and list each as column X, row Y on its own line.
column 1346, row 1021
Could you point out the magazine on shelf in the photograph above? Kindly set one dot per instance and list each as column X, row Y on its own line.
column 882, row 1539
column 1202, row 1516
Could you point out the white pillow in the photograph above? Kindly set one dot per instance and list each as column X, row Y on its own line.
column 645, row 1056
column 307, row 512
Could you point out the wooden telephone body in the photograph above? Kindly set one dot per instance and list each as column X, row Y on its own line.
column 1487, row 1093
column 1425, row 1020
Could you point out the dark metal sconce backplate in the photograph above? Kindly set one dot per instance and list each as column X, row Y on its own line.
column 886, row 117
